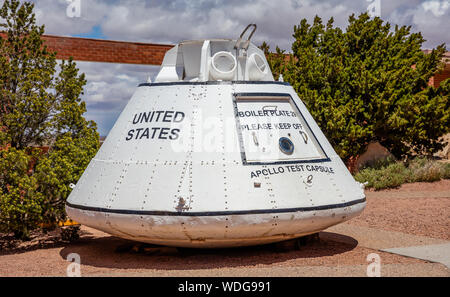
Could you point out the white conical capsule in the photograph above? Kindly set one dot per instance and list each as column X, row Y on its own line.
column 197, row 159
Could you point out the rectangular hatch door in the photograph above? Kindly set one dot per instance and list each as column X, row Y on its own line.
column 272, row 129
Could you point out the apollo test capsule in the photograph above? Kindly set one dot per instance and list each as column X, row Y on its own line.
column 215, row 153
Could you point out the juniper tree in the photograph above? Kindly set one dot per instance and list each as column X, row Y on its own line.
column 368, row 83
column 40, row 106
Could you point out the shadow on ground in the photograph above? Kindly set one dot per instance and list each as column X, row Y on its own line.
column 104, row 253
column 38, row 241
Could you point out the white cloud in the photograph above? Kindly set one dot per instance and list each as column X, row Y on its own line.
column 439, row 8
column 160, row 22
column 169, row 21
column 53, row 14
column 430, row 18
column 108, row 89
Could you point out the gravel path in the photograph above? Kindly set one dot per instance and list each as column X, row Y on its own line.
column 336, row 254
column 98, row 257
column 406, row 210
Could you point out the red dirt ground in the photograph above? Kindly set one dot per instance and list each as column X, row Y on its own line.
column 408, row 209
column 394, row 210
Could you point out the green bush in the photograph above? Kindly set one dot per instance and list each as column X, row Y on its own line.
column 446, row 168
column 360, row 85
column 394, row 174
column 39, row 107
column 423, row 170
column 21, row 204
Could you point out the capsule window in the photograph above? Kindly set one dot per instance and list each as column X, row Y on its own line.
column 223, row 66
column 286, row 145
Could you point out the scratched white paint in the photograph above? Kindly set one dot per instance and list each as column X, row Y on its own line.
column 145, row 189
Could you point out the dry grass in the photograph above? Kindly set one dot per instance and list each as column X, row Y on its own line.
column 391, row 174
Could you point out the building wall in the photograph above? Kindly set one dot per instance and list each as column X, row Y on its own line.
column 436, row 80
column 97, row 50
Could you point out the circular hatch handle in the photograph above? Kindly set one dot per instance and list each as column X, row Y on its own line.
column 286, row 145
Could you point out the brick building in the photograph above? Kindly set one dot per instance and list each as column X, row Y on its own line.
column 442, row 75
column 98, row 50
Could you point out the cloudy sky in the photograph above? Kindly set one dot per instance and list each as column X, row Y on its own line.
column 169, row 21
